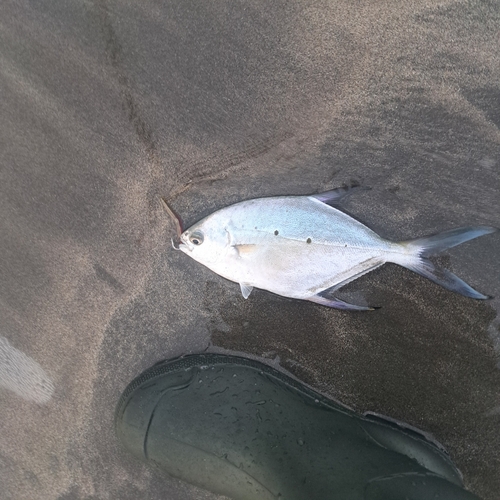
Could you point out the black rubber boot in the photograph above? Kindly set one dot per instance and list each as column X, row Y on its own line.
column 242, row 429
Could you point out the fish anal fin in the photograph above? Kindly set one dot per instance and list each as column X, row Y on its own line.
column 349, row 275
column 246, row 290
column 339, row 304
column 357, row 271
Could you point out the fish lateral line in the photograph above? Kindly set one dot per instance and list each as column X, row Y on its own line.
column 309, row 240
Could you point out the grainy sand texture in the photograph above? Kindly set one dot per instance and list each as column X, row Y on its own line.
column 108, row 105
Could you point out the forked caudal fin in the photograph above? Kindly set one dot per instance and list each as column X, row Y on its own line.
column 422, row 248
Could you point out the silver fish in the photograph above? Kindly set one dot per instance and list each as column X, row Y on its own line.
column 302, row 247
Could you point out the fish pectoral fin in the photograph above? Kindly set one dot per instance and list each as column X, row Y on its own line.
column 246, row 290
column 245, row 249
column 334, row 196
column 339, row 304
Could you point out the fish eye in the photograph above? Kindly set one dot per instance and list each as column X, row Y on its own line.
column 196, row 238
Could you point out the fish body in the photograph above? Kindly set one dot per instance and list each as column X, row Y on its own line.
column 305, row 248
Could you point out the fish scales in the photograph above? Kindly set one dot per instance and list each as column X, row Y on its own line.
column 304, row 248
column 299, row 218
column 279, row 231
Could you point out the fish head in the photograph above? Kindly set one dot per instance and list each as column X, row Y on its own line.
column 205, row 241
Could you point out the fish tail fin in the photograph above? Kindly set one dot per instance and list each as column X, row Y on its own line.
column 421, row 248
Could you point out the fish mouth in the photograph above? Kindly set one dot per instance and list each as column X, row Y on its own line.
column 184, row 246
column 181, row 244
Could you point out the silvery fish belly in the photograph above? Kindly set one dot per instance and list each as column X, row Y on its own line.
column 303, row 247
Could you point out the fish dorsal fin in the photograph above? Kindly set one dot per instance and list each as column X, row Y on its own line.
column 246, row 290
column 335, row 196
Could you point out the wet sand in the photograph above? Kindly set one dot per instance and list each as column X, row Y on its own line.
column 107, row 106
